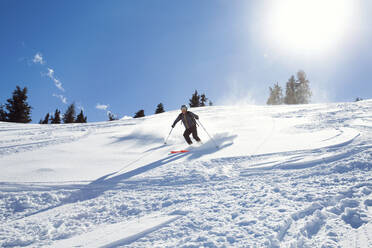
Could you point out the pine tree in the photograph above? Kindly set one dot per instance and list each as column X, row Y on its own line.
column 81, row 118
column 111, row 116
column 17, row 106
column 46, row 119
column 139, row 114
column 290, row 92
column 203, row 100
column 210, row 103
column 56, row 119
column 195, row 100
column 270, row 101
column 276, row 95
column 69, row 116
column 159, row 109
column 3, row 114
column 303, row 92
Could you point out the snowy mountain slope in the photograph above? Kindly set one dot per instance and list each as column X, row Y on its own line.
column 283, row 176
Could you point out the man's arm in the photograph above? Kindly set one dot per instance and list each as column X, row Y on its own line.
column 195, row 115
column 177, row 120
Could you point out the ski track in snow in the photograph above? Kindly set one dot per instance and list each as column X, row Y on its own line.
column 270, row 194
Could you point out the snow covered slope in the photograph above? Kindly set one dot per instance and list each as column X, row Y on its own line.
column 283, row 176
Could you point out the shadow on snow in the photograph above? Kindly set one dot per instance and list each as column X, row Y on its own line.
column 110, row 181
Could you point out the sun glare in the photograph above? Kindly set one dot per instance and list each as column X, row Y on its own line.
column 308, row 26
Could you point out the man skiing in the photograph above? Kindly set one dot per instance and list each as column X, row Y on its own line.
column 188, row 119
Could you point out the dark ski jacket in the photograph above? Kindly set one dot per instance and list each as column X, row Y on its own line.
column 188, row 119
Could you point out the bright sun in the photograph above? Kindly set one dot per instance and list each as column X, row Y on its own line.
column 308, row 26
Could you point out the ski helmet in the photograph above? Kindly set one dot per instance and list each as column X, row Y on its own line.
column 183, row 107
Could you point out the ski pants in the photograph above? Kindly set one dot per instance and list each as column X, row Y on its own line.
column 192, row 130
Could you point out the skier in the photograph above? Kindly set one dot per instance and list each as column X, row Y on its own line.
column 188, row 119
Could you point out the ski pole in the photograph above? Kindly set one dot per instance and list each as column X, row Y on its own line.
column 165, row 142
column 208, row 134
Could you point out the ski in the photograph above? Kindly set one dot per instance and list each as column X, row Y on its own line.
column 180, row 151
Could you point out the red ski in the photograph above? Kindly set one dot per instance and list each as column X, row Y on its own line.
column 181, row 151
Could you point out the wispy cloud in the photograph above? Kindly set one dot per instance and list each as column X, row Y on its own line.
column 56, row 81
column 61, row 97
column 102, row 106
column 38, row 59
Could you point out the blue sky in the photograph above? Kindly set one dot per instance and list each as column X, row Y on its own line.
column 122, row 56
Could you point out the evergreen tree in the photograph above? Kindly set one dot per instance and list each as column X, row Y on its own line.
column 46, row 119
column 111, row 116
column 159, row 109
column 303, row 92
column 290, row 92
column 3, row 114
column 276, row 95
column 17, row 106
column 81, row 118
column 203, row 100
column 195, row 100
column 271, row 100
column 69, row 116
column 356, row 100
column 56, row 119
column 210, row 103
column 139, row 114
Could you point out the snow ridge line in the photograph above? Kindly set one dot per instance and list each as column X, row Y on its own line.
column 292, row 162
column 315, row 162
column 135, row 237
column 5, row 150
column 286, row 153
column 46, row 131
column 344, row 143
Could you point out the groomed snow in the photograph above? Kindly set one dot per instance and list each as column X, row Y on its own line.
column 283, row 176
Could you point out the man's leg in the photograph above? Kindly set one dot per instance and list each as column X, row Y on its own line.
column 195, row 133
column 186, row 134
